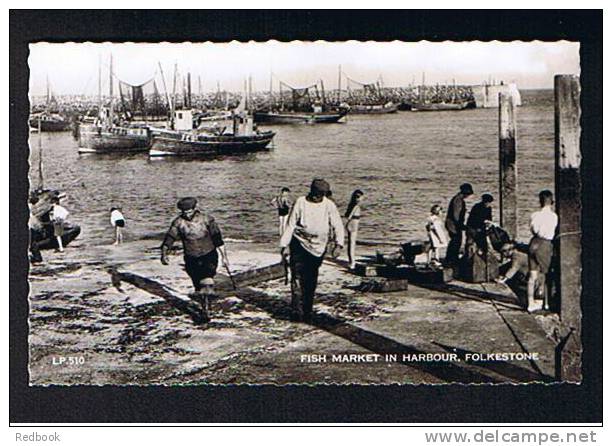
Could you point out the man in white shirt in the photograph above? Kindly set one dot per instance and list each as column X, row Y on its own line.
column 306, row 235
column 543, row 226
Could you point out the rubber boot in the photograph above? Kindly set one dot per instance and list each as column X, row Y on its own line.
column 208, row 292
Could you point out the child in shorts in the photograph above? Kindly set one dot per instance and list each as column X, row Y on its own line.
column 58, row 216
column 118, row 222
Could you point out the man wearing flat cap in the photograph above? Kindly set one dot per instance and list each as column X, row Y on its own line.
column 306, row 236
column 201, row 239
column 455, row 222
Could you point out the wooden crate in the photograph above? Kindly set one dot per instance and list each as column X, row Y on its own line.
column 428, row 275
column 479, row 268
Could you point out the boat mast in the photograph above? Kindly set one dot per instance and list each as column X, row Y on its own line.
column 41, row 183
column 189, row 90
column 48, row 95
column 99, row 88
column 250, row 94
column 322, row 93
column 173, row 104
column 339, row 82
column 246, row 95
column 422, row 87
column 271, row 100
column 161, row 71
column 348, row 86
column 110, row 82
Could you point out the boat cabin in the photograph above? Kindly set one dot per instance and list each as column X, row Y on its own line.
column 183, row 120
column 243, row 125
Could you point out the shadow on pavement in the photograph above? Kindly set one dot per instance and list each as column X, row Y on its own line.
column 447, row 371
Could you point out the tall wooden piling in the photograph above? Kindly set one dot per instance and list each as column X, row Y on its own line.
column 508, row 210
column 568, row 185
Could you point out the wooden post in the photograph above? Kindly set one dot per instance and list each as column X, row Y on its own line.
column 567, row 185
column 508, row 211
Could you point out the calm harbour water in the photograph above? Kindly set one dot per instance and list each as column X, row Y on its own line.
column 404, row 162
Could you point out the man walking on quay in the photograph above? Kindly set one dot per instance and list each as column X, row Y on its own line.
column 201, row 239
column 455, row 222
column 306, row 235
column 543, row 226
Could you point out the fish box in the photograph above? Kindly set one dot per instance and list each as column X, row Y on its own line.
column 412, row 249
column 428, row 275
column 479, row 268
column 381, row 270
column 370, row 269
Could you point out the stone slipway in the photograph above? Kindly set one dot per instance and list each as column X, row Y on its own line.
column 127, row 336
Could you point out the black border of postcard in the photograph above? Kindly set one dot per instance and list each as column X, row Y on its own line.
column 309, row 404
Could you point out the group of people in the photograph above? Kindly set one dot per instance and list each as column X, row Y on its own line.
column 534, row 265
column 310, row 225
column 57, row 217
column 305, row 229
column 475, row 228
column 57, row 220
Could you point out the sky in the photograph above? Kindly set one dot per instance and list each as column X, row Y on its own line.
column 72, row 68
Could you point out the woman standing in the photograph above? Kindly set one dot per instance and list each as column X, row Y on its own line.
column 353, row 214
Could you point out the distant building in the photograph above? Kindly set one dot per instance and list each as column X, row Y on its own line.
column 487, row 96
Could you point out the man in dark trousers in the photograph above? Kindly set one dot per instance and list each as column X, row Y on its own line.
column 481, row 217
column 306, row 235
column 455, row 222
column 201, row 239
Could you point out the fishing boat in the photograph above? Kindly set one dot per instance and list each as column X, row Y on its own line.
column 374, row 109
column 290, row 117
column 439, row 106
column 47, row 119
column 367, row 99
column 113, row 139
column 209, row 141
column 300, row 107
column 49, row 122
column 111, row 133
column 440, row 99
